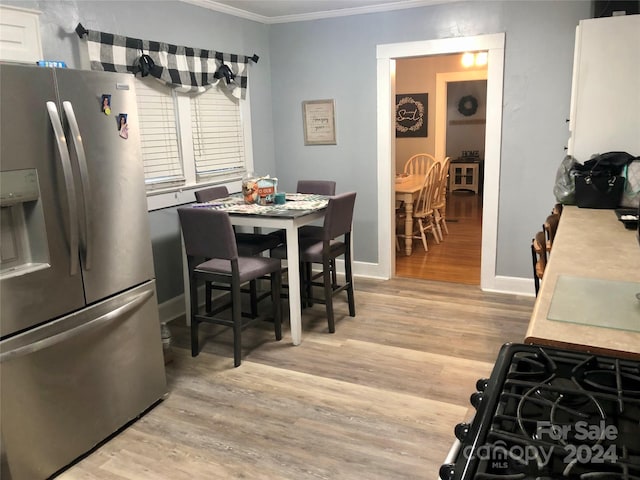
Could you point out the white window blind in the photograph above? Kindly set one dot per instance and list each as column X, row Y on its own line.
column 158, row 134
column 216, row 124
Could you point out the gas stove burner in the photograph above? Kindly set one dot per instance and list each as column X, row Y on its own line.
column 562, row 390
column 612, row 380
column 556, row 410
column 548, row 413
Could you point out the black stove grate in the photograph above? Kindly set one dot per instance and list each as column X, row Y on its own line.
column 551, row 414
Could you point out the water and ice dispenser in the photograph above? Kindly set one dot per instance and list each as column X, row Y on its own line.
column 23, row 238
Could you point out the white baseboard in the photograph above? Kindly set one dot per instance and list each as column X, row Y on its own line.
column 512, row 285
column 171, row 309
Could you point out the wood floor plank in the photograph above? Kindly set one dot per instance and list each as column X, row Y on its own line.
column 457, row 257
column 378, row 399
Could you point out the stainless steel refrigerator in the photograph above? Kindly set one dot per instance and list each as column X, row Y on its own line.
column 80, row 343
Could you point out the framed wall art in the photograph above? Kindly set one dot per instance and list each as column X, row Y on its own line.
column 411, row 114
column 319, row 122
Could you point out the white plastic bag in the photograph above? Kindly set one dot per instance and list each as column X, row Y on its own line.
column 631, row 194
column 565, row 188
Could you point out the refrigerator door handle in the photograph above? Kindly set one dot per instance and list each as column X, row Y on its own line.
column 30, row 348
column 84, row 181
column 61, row 141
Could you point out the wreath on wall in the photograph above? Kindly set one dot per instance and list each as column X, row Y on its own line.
column 468, row 105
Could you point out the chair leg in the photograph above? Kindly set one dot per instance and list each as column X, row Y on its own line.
column 207, row 300
column 236, row 314
column 349, row 279
column 534, row 260
column 435, row 229
column 306, row 285
column 443, row 220
column 423, row 235
column 276, row 286
column 253, row 294
column 334, row 273
column 194, row 312
column 328, row 294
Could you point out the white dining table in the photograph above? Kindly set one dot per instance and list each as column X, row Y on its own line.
column 289, row 217
column 407, row 191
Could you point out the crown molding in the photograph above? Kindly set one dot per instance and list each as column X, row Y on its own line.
column 222, row 8
column 343, row 12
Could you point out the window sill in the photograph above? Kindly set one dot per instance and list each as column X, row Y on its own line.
column 175, row 196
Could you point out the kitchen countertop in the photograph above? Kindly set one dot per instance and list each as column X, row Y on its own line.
column 591, row 246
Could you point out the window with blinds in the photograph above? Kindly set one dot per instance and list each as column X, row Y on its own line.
column 216, row 127
column 159, row 135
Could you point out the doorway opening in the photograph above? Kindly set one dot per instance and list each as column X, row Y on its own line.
column 459, row 92
column 387, row 56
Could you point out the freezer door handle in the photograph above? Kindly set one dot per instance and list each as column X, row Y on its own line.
column 30, row 348
column 61, row 141
column 84, row 182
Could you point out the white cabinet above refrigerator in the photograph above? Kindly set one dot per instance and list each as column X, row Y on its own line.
column 20, row 35
column 605, row 94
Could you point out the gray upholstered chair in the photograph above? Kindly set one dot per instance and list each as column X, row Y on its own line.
column 318, row 187
column 211, row 193
column 248, row 244
column 212, row 256
column 324, row 251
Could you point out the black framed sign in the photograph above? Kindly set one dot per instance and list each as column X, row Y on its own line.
column 411, row 114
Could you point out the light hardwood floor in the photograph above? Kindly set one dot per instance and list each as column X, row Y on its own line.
column 376, row 400
column 457, row 258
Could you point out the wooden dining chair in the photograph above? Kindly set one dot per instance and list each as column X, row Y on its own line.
column 419, row 164
column 549, row 227
column 423, row 211
column 212, row 257
column 557, row 209
column 538, row 258
column 440, row 204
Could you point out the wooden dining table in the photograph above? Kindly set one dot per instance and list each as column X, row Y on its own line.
column 407, row 191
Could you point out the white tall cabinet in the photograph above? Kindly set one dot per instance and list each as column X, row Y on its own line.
column 19, row 35
column 605, row 94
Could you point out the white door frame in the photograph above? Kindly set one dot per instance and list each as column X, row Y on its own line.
column 386, row 55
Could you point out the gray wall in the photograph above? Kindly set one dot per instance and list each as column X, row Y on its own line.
column 336, row 58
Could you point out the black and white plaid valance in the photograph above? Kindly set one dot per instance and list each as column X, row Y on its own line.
column 184, row 68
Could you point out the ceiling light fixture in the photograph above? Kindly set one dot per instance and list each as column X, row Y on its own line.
column 478, row 59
